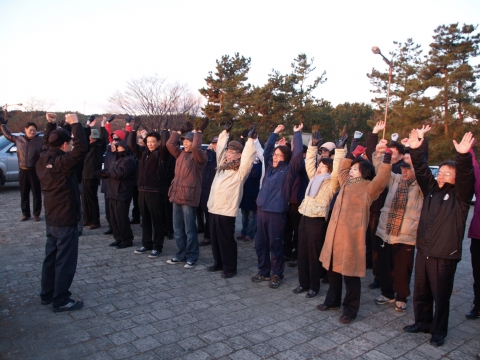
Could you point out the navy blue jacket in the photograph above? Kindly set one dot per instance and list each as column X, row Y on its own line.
column 251, row 188
column 277, row 183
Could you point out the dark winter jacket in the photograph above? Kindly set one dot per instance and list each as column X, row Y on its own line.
column 442, row 221
column 299, row 185
column 187, row 184
column 121, row 177
column 278, row 182
column 155, row 168
column 28, row 150
column 209, row 172
column 251, row 188
column 55, row 169
column 93, row 160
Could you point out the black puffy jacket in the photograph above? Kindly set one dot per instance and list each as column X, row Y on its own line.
column 121, row 177
column 444, row 214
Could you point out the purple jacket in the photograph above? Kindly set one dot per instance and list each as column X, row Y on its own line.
column 474, row 230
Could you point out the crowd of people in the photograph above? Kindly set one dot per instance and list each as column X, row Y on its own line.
column 330, row 208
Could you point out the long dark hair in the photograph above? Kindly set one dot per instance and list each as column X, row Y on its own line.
column 287, row 153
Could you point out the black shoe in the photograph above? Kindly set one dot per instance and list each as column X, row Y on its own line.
column 229, row 275
column 24, row 218
column 213, row 268
column 94, row 226
column 292, row 263
column 298, row 290
column 170, row 235
column 311, row 294
column 323, row 307
column 414, row 328
column 135, row 221
column 46, row 302
column 473, row 314
column 205, row 242
column 70, row 306
column 115, row 243
column 108, row 232
column 437, row 340
column 200, row 231
column 124, row 245
column 344, row 319
column 375, row 284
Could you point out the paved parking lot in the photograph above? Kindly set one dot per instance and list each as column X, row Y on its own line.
column 137, row 308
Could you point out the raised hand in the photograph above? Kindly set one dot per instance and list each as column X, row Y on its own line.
column 128, row 119
column 51, row 117
column 464, row 146
column 316, row 138
column 187, row 127
column 279, row 129
column 381, row 146
column 71, row 119
column 421, row 132
column 359, row 150
column 93, row 122
column 298, row 128
column 204, row 124
column 137, row 123
column 104, row 121
column 228, row 125
column 413, row 140
column 379, row 126
column 405, row 142
column 252, row 133
column 282, row 142
column 340, row 143
column 91, row 119
column 110, row 119
column 394, row 136
column 357, row 135
column 164, row 124
column 244, row 133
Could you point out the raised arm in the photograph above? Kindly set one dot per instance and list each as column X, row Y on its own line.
column 465, row 178
column 221, row 146
column 476, row 171
column 197, row 151
column 247, row 159
column 173, row 145
column 423, row 174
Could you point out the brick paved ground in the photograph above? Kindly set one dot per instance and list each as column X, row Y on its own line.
column 137, row 308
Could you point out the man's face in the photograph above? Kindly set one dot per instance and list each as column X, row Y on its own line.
column 30, row 132
column 396, row 156
column 187, row 145
column 355, row 171
column 446, row 174
column 232, row 155
column 152, row 143
column 325, row 153
column 277, row 157
column 407, row 173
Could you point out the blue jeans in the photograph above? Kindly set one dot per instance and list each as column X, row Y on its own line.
column 185, row 231
column 249, row 223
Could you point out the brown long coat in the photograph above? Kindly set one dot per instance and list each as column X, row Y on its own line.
column 344, row 246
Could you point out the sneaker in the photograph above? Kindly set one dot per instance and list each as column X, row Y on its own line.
column 275, row 282
column 142, row 250
column 400, row 306
column 174, row 261
column 189, row 265
column 382, row 300
column 70, row 306
column 154, row 254
column 260, row 278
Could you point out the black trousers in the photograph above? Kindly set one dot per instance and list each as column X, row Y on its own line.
column 371, row 244
column 28, row 180
column 60, row 264
column 475, row 252
column 203, row 222
column 433, row 283
column 224, row 246
column 395, row 266
column 290, row 235
column 91, row 209
column 120, row 221
column 152, row 209
column 311, row 236
column 107, row 211
column 169, row 216
column 351, row 303
column 136, row 208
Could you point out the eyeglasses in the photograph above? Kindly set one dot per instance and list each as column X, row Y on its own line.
column 443, row 174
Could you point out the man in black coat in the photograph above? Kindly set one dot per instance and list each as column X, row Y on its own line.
column 55, row 169
column 440, row 234
column 209, row 172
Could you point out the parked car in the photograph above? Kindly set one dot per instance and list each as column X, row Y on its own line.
column 9, row 160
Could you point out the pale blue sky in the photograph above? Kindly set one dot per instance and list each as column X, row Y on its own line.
column 71, row 52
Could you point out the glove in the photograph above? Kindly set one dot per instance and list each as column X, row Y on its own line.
column 394, row 136
column 245, row 133
column 91, row 118
column 164, row 124
column 110, row 119
column 3, row 119
column 128, row 119
column 228, row 125
column 359, row 150
column 316, row 138
column 340, row 143
column 387, row 158
column 137, row 123
column 204, row 124
column 187, row 127
column 253, row 131
column 358, row 135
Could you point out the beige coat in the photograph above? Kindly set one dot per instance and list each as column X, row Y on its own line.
column 344, row 246
column 408, row 231
column 227, row 187
column 319, row 206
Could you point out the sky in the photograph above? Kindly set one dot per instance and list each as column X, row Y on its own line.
column 74, row 55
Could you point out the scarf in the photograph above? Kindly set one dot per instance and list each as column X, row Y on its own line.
column 397, row 209
column 352, row 181
column 315, row 184
column 231, row 165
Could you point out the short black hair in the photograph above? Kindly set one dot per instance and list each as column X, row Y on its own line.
column 396, row 145
column 28, row 124
column 366, row 168
column 287, row 153
column 449, row 163
column 155, row 134
column 328, row 162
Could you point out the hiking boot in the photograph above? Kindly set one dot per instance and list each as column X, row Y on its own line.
column 382, row 300
column 400, row 306
column 154, row 254
column 142, row 250
column 275, row 282
column 260, row 278
column 70, row 306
